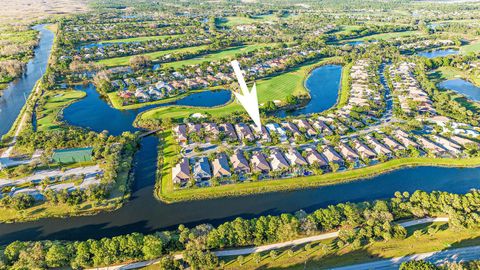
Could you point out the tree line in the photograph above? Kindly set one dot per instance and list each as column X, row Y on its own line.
column 359, row 224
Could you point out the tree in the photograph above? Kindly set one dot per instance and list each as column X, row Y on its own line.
column 140, row 61
column 418, row 265
column 152, row 247
column 57, row 256
column 273, row 254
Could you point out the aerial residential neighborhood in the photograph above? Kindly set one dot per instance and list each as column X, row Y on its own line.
column 240, row 135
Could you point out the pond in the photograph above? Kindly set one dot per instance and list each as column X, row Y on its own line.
column 14, row 96
column 95, row 114
column 463, row 87
column 438, row 53
column 323, row 84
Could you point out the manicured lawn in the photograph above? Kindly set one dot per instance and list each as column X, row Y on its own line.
column 227, row 53
column 315, row 258
column 274, row 88
column 237, row 20
column 124, row 60
column 137, row 39
column 385, row 36
column 56, row 100
column 169, row 151
column 473, row 47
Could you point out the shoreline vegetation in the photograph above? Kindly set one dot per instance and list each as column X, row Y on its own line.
column 164, row 189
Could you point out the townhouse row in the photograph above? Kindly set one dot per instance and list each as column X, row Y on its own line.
column 351, row 152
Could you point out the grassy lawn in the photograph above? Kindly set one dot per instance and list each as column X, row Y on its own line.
column 137, row 39
column 124, row 60
column 274, row 88
column 473, row 47
column 227, row 53
column 448, row 73
column 237, row 20
column 443, row 238
column 55, row 101
column 385, row 36
column 169, row 151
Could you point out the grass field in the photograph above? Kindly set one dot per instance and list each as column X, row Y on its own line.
column 237, row 20
column 55, row 101
column 274, row 88
column 316, row 258
column 473, row 47
column 124, row 60
column 169, row 151
column 385, row 36
column 227, row 53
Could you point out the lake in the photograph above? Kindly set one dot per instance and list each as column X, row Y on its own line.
column 438, row 53
column 463, row 87
column 323, row 84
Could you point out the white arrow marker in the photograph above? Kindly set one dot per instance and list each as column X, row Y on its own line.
column 249, row 99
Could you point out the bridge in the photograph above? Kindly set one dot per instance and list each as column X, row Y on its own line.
column 150, row 132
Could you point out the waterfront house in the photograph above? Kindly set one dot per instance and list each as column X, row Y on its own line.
column 347, row 152
column 181, row 172
column 332, row 156
column 431, row 146
column 295, row 158
column 239, row 163
column 201, row 169
column 452, row 147
column 393, row 144
column 363, row 150
column 403, row 138
column 277, row 160
column 378, row 147
column 220, row 166
column 315, row 158
column 180, row 132
column 259, row 163
column 303, row 124
column 275, row 128
column 463, row 141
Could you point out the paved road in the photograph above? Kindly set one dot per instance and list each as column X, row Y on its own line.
column 439, row 257
column 52, row 173
column 250, row 250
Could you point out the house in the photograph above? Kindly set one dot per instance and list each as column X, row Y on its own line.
column 322, row 127
column 303, row 124
column 194, row 128
column 462, row 141
column 201, row 169
column 452, row 147
column 181, row 133
column 229, row 131
column 378, row 147
column 347, row 152
column 263, row 135
column 315, row 158
column 181, row 172
column 431, row 146
column 289, row 126
column 259, row 163
column 393, row 144
column 275, row 128
column 244, row 132
column 239, row 163
column 294, row 158
column 221, row 167
column 403, row 138
column 211, row 129
column 278, row 161
column 363, row 150
column 332, row 156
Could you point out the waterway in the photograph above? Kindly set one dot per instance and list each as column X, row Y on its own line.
column 143, row 213
column 15, row 95
column 463, row 87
